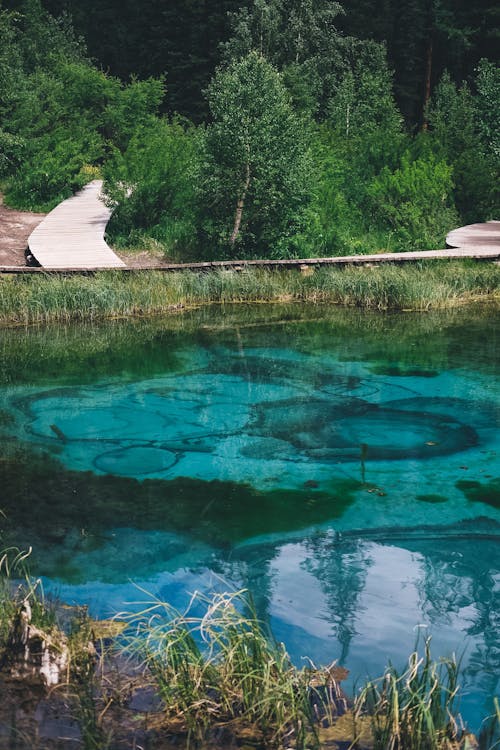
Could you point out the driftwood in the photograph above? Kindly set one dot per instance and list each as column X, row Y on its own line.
column 35, row 655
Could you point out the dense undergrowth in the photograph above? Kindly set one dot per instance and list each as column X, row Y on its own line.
column 440, row 284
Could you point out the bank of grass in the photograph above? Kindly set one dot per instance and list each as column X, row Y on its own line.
column 421, row 286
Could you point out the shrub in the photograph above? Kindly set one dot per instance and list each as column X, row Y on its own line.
column 414, row 201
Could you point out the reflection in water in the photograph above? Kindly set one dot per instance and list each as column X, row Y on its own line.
column 345, row 470
column 341, row 569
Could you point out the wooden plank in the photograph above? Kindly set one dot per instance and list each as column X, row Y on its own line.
column 72, row 235
column 475, row 236
column 489, row 254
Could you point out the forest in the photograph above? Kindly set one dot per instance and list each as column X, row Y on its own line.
column 256, row 129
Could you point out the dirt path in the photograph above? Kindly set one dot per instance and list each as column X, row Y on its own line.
column 15, row 228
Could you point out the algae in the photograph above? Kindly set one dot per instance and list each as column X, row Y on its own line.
column 481, row 492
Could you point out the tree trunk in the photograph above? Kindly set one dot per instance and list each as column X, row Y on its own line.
column 427, row 84
column 240, row 206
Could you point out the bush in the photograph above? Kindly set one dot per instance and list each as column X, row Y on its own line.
column 414, row 201
column 152, row 186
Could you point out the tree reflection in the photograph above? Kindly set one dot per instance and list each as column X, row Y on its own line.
column 460, row 581
column 341, row 567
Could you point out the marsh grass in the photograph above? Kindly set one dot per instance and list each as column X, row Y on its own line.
column 223, row 679
column 489, row 737
column 222, row 669
column 441, row 284
column 22, row 603
column 85, row 684
column 415, row 709
column 20, row 596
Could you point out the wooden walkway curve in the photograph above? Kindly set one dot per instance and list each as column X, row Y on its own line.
column 72, row 235
column 475, row 236
column 71, row 240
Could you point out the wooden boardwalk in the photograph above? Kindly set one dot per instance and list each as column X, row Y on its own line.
column 71, row 240
column 476, row 236
column 72, row 235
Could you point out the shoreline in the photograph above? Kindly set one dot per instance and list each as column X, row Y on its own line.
column 45, row 298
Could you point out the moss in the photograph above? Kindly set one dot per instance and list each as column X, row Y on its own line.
column 481, row 492
column 431, row 498
column 397, row 370
column 48, row 501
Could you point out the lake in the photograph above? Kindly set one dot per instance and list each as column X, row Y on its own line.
column 343, row 466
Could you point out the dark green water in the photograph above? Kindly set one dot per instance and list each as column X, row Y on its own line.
column 343, row 466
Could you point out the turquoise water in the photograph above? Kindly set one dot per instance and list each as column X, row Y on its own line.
column 343, row 466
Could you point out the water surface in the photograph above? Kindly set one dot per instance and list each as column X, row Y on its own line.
column 342, row 466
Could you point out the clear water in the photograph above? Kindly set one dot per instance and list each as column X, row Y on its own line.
column 342, row 466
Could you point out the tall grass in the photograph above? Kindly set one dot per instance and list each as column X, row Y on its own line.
column 489, row 737
column 21, row 599
column 414, row 710
column 222, row 669
column 44, row 298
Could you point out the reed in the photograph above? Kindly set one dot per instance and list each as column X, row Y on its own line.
column 222, row 669
column 489, row 737
column 20, row 597
column 441, row 284
column 414, row 710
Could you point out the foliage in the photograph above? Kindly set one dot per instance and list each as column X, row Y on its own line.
column 303, row 152
column 59, row 112
column 457, row 136
column 488, row 85
column 438, row 284
column 152, row 186
column 489, row 736
column 453, row 34
column 224, row 668
column 19, row 595
column 318, row 63
column 414, row 201
column 254, row 181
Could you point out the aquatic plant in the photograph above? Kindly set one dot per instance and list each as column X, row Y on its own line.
column 415, row 709
column 21, row 599
column 85, row 685
column 489, row 736
column 223, row 668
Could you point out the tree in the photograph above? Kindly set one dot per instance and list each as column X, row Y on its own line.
column 424, row 38
column 457, row 136
column 179, row 38
column 488, row 102
column 301, row 40
column 255, row 175
column 151, row 187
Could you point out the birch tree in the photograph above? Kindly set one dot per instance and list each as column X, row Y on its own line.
column 255, row 175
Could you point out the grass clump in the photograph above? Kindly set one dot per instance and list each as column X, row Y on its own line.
column 21, row 601
column 222, row 670
column 59, row 298
column 415, row 709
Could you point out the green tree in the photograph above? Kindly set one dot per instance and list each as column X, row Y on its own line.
column 458, row 135
column 415, row 202
column 488, row 105
column 301, row 40
column 255, row 173
column 152, row 187
column 424, row 38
